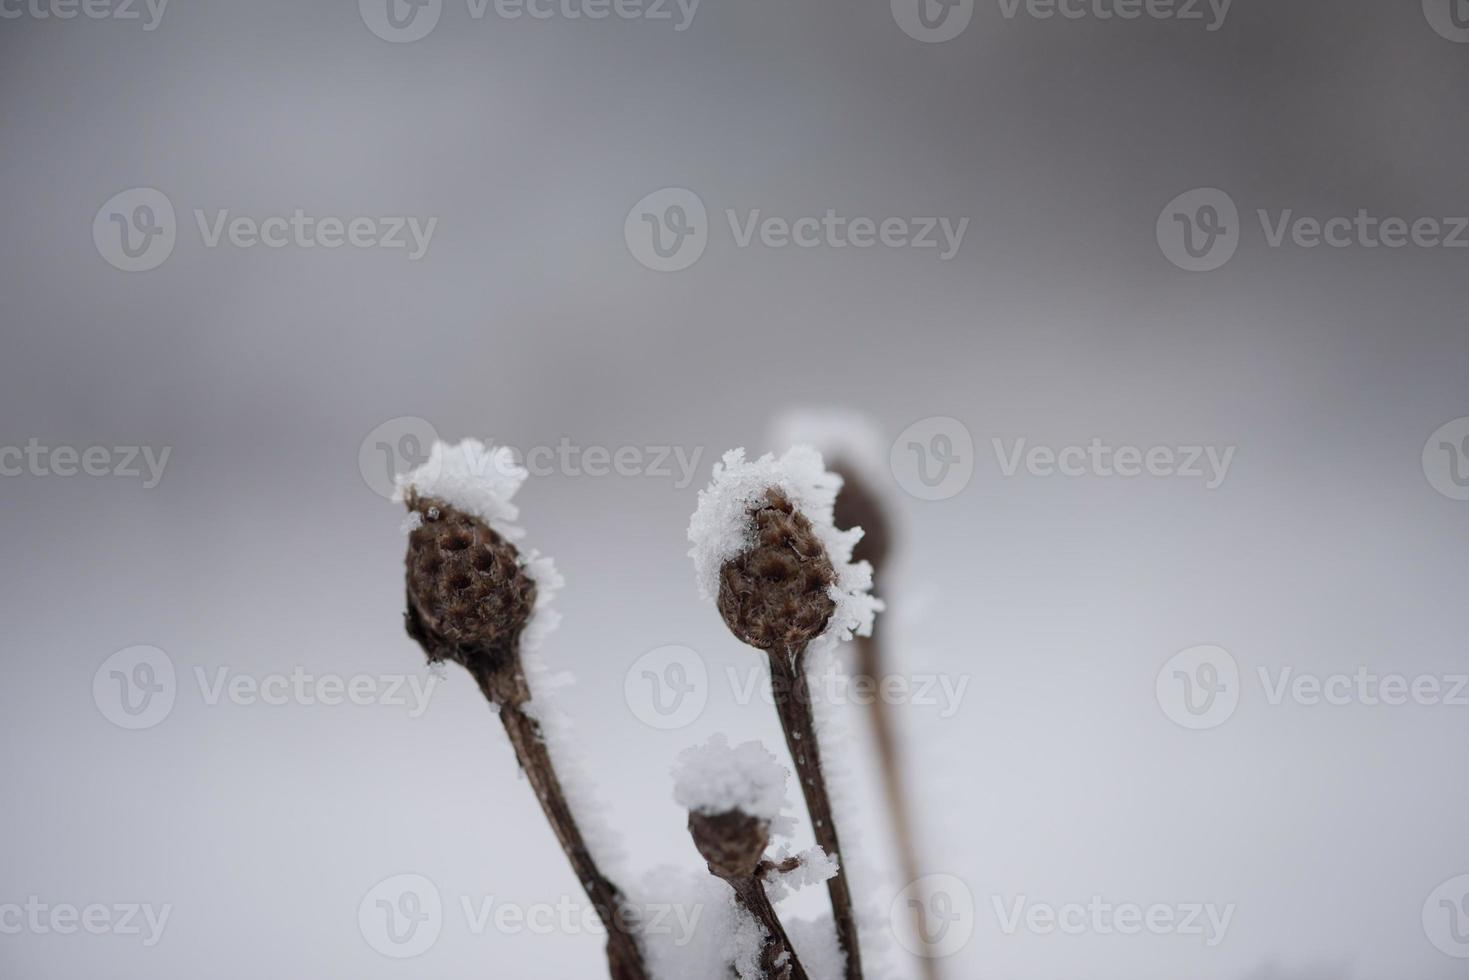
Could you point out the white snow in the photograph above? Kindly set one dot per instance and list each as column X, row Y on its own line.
column 814, row 867
column 702, row 928
column 717, row 777
column 475, row 478
column 722, row 527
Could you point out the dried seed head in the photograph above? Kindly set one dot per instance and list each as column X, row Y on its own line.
column 857, row 505
column 775, row 595
column 733, row 842
column 468, row 596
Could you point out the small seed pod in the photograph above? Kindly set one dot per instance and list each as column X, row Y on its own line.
column 468, row 596
column 776, row 594
column 733, row 842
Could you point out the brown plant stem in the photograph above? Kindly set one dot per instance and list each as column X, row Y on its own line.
column 751, row 894
column 505, row 687
column 792, row 692
column 870, row 664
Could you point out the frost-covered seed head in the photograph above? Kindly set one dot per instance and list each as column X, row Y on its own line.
column 469, row 598
column 775, row 595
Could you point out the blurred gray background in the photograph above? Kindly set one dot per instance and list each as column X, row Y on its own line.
column 530, row 320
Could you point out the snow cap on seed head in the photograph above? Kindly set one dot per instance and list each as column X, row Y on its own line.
column 723, row 528
column 478, row 483
column 477, row 479
column 734, row 795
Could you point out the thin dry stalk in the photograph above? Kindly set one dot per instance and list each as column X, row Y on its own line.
column 508, row 690
column 793, row 704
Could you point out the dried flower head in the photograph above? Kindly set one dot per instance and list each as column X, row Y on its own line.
column 765, row 549
column 467, row 591
column 775, row 596
column 732, row 843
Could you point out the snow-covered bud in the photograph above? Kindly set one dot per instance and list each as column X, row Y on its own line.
column 766, row 550
column 734, row 795
column 775, row 596
column 467, row 592
column 732, row 843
